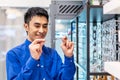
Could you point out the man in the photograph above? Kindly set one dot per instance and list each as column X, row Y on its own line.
column 32, row 60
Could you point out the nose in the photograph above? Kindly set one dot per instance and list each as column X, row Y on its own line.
column 41, row 30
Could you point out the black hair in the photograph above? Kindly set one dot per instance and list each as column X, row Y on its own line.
column 35, row 11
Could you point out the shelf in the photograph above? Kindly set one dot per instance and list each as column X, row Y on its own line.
column 99, row 73
column 107, row 17
column 95, row 6
column 113, row 68
column 112, row 7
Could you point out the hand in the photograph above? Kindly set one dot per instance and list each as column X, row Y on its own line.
column 36, row 48
column 67, row 47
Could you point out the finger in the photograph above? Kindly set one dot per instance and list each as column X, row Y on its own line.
column 67, row 43
column 70, row 44
column 38, row 47
column 36, row 41
column 64, row 39
column 42, row 43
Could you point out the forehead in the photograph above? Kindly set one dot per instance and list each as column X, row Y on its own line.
column 40, row 19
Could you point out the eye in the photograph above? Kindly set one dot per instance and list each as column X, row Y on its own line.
column 37, row 26
column 45, row 26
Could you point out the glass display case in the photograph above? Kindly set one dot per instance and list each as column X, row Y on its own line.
column 88, row 41
column 95, row 27
column 82, row 43
column 95, row 41
column 78, row 36
column 74, row 40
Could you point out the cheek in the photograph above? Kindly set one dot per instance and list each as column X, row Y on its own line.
column 46, row 30
column 33, row 30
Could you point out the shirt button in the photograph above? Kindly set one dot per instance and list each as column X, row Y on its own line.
column 42, row 66
column 38, row 65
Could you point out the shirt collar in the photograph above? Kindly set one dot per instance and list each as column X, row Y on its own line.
column 27, row 42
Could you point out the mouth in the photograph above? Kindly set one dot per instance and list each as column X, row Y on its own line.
column 40, row 35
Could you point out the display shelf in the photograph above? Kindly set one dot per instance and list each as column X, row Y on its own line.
column 94, row 38
column 112, row 7
column 92, row 17
column 113, row 68
column 107, row 17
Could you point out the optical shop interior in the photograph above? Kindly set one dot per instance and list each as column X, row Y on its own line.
column 92, row 25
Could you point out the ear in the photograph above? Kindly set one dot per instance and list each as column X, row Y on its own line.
column 26, row 27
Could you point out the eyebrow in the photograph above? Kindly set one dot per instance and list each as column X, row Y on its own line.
column 39, row 23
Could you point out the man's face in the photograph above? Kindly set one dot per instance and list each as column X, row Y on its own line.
column 37, row 28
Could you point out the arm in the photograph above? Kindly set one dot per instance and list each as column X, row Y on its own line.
column 15, row 71
column 68, row 66
column 66, row 71
column 69, row 69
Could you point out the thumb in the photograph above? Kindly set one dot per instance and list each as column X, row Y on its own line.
column 42, row 42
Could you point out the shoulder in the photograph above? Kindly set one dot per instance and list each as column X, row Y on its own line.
column 16, row 50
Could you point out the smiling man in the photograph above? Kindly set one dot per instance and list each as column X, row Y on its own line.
column 32, row 60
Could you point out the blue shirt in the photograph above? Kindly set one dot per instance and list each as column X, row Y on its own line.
column 21, row 66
